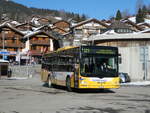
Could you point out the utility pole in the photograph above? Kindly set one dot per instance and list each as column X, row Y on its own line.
column 3, row 36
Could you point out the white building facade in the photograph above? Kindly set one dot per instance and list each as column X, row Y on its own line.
column 134, row 50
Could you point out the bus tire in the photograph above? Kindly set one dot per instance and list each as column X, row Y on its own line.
column 49, row 83
column 68, row 84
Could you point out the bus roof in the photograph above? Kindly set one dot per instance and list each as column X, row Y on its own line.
column 62, row 49
column 67, row 47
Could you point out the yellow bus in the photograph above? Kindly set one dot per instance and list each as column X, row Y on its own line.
column 84, row 67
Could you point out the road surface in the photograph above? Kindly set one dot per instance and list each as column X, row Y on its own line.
column 29, row 96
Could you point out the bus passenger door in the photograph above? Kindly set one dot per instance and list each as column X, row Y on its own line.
column 76, row 76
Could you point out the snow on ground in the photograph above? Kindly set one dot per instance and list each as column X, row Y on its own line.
column 138, row 83
column 17, row 78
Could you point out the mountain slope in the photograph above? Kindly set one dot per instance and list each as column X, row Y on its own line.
column 21, row 13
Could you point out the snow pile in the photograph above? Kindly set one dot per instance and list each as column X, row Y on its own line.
column 138, row 83
column 17, row 78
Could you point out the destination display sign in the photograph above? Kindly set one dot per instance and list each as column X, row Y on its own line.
column 98, row 51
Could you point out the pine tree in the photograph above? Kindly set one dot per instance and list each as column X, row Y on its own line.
column 144, row 10
column 140, row 16
column 118, row 15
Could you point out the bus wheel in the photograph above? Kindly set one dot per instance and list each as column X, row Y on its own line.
column 49, row 82
column 68, row 84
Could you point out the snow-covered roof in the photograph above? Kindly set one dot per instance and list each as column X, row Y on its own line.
column 144, row 31
column 58, row 18
column 132, row 19
column 30, row 34
column 6, row 24
column 147, row 21
column 89, row 21
column 130, row 36
column 35, row 21
column 15, row 22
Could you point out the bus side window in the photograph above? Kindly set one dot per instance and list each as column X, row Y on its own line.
column 86, row 68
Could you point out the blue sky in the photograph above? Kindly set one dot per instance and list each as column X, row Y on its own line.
column 100, row 9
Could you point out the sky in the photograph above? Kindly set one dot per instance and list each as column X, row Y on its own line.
column 99, row 9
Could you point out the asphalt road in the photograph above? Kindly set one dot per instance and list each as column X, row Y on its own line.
column 29, row 96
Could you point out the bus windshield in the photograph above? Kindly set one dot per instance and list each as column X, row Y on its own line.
column 99, row 66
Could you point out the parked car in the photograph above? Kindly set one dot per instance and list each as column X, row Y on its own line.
column 124, row 77
column 4, row 68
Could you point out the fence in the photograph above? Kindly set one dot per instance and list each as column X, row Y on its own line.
column 25, row 71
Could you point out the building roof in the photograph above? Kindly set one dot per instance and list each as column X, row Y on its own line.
column 119, row 24
column 23, row 24
column 42, row 28
column 61, row 21
column 55, row 27
column 144, row 23
column 133, row 24
column 31, row 34
column 136, row 36
column 88, row 21
column 7, row 25
column 145, row 31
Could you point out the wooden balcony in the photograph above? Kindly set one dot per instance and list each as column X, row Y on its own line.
column 13, row 45
column 40, row 42
column 7, row 37
column 35, row 53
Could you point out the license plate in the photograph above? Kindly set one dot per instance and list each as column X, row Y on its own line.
column 101, row 87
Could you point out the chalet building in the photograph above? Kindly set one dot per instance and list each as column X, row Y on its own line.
column 58, row 34
column 62, row 24
column 133, row 25
column 25, row 27
column 10, row 41
column 59, row 30
column 39, row 42
column 134, row 50
column 43, row 21
column 120, row 27
column 87, row 28
column 40, row 21
column 147, row 16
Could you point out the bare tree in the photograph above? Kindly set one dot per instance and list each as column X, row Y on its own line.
column 126, row 13
column 63, row 14
column 139, row 4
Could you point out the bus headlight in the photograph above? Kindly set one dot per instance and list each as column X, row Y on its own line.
column 83, row 82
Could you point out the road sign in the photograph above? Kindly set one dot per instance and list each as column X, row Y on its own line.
column 4, row 53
